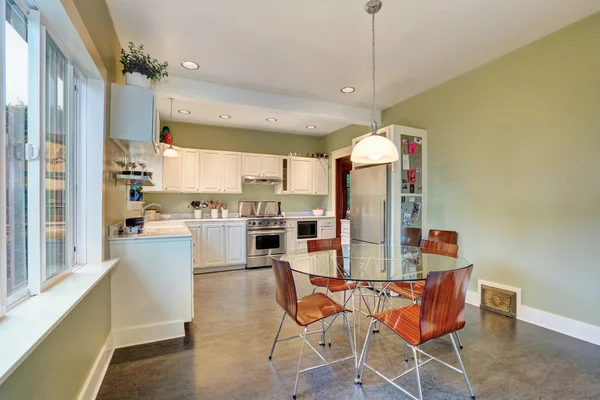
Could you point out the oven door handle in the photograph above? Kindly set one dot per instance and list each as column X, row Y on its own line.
column 265, row 232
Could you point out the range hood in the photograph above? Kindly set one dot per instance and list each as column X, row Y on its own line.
column 138, row 178
column 261, row 180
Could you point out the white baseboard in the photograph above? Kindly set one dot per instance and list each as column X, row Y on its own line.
column 92, row 384
column 147, row 334
column 566, row 326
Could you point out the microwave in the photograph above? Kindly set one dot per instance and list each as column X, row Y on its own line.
column 307, row 229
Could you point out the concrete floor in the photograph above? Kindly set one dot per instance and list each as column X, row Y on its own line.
column 225, row 356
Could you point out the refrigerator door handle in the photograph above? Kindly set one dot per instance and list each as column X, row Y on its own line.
column 382, row 221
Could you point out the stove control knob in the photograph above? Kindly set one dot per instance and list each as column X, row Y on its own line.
column 260, row 222
column 267, row 223
column 253, row 223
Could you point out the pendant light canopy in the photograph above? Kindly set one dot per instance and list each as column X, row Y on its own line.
column 170, row 152
column 374, row 149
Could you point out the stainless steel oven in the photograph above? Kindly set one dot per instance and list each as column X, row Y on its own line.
column 307, row 229
column 262, row 243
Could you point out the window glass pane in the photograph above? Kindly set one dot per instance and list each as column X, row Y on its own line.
column 16, row 86
column 58, row 156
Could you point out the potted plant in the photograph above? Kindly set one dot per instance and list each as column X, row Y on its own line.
column 140, row 69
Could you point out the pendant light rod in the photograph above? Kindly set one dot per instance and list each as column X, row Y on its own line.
column 372, row 7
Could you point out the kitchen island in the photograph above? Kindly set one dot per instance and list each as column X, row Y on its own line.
column 152, row 288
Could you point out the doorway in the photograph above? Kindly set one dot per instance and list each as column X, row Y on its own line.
column 343, row 166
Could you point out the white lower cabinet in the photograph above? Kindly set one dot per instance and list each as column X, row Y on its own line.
column 235, row 244
column 218, row 245
column 326, row 228
column 213, row 245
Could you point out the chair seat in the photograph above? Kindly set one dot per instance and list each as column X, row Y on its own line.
column 315, row 307
column 404, row 289
column 404, row 321
column 334, row 285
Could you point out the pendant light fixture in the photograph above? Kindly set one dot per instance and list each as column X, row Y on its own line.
column 374, row 149
column 170, row 152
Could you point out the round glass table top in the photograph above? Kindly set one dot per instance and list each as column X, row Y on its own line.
column 371, row 263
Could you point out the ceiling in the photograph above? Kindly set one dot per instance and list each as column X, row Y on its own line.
column 310, row 49
column 203, row 112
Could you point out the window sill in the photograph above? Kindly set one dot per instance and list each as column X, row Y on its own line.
column 29, row 323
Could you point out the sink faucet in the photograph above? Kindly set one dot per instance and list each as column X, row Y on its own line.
column 148, row 206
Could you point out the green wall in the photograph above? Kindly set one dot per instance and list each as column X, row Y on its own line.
column 242, row 140
column 60, row 365
column 514, row 154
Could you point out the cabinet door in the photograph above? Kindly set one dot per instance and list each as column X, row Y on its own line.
column 327, row 233
column 320, row 176
column 271, row 165
column 210, row 172
column 290, row 240
column 189, row 170
column 155, row 164
column 232, row 173
column 235, row 244
column 252, row 164
column 196, row 244
column 172, row 173
column 213, row 245
column 302, row 176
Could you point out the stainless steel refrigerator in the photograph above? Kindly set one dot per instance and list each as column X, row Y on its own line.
column 369, row 204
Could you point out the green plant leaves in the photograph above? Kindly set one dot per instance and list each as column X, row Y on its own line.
column 135, row 60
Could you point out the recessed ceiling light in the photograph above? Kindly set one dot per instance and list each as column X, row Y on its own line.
column 184, row 112
column 271, row 119
column 190, row 65
column 224, row 116
column 348, row 89
column 311, row 126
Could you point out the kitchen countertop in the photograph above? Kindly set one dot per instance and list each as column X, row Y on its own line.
column 233, row 219
column 175, row 229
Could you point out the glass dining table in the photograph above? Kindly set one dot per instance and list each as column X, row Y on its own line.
column 373, row 267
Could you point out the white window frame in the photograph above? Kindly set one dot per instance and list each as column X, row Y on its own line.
column 37, row 30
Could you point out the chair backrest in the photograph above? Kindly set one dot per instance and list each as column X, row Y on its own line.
column 443, row 304
column 444, row 249
column 286, row 288
column 410, row 236
column 437, row 235
column 324, row 244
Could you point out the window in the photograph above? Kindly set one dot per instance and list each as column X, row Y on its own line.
column 16, row 85
column 39, row 180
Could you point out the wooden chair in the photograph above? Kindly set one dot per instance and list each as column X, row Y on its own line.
column 410, row 236
column 414, row 290
column 441, row 312
column 304, row 312
column 437, row 235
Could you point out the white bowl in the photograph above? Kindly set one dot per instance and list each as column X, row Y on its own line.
column 318, row 213
column 165, row 217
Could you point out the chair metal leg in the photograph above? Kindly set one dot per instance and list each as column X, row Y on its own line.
column 462, row 366
column 351, row 343
column 417, row 370
column 365, row 351
column 322, row 341
column 458, row 340
column 277, row 336
column 300, row 361
column 330, row 329
column 406, row 352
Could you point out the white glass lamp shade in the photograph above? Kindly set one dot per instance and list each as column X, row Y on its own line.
column 171, row 152
column 374, row 149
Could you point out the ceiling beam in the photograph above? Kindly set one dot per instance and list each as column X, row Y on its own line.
column 191, row 89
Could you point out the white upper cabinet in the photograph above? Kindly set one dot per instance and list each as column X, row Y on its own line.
column 172, row 173
column 302, row 175
column 231, row 179
column 190, row 163
column 210, row 171
column 271, row 166
column 320, row 178
column 251, row 164
column 260, row 165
